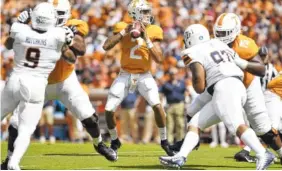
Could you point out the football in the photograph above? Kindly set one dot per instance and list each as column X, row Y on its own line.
column 136, row 30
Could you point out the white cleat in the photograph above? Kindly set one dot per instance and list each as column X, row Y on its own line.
column 42, row 139
column 13, row 166
column 173, row 161
column 224, row 145
column 265, row 160
column 52, row 140
column 213, row 144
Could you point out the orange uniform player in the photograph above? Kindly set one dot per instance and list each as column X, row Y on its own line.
column 275, row 85
column 135, row 56
column 247, row 49
column 64, row 69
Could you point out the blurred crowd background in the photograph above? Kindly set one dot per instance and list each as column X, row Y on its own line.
column 96, row 70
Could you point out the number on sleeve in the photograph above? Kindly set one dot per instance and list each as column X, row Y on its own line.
column 32, row 55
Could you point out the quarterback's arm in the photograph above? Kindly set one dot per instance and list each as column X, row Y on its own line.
column 156, row 52
column 198, row 77
column 9, row 43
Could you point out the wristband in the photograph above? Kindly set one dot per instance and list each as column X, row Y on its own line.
column 122, row 32
column 149, row 44
column 241, row 63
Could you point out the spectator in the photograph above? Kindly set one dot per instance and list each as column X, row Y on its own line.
column 174, row 91
column 47, row 120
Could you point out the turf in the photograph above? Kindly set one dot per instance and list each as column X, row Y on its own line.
column 83, row 157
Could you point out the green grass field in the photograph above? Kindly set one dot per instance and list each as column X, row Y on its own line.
column 83, row 157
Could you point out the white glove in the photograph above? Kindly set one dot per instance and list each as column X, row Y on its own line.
column 241, row 63
column 24, row 16
column 69, row 35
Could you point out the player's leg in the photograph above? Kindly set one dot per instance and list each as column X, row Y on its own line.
column 77, row 101
column 214, row 136
column 257, row 114
column 228, row 105
column 29, row 115
column 148, row 88
column 198, row 103
column 202, row 120
column 273, row 105
column 117, row 92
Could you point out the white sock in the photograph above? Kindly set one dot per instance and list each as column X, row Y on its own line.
column 250, row 139
column 222, row 132
column 9, row 154
column 20, row 146
column 279, row 152
column 190, row 141
column 113, row 133
column 97, row 140
column 247, row 148
column 214, row 134
column 162, row 132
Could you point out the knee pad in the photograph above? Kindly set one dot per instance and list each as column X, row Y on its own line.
column 91, row 122
column 269, row 136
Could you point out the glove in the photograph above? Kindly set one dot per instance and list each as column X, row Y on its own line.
column 69, row 35
column 263, row 51
column 24, row 16
column 241, row 63
column 73, row 29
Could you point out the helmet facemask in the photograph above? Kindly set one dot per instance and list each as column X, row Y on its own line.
column 141, row 11
column 62, row 17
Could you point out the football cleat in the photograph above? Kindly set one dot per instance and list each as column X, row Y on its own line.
column 177, row 146
column 244, row 156
column 165, row 147
column 4, row 164
column 172, row 161
column 265, row 160
column 107, row 152
column 115, row 144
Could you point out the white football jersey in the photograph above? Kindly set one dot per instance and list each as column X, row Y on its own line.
column 36, row 53
column 216, row 58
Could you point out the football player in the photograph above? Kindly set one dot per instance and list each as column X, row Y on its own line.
column 215, row 69
column 37, row 48
column 63, row 84
column 228, row 29
column 272, row 99
column 137, row 55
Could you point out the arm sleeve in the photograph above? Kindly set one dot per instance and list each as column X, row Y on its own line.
column 16, row 28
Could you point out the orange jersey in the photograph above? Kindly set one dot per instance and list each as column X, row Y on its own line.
column 63, row 69
column 135, row 57
column 275, row 85
column 246, row 49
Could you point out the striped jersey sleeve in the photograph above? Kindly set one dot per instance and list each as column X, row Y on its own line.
column 270, row 73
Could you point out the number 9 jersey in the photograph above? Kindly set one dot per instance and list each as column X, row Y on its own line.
column 36, row 53
column 135, row 57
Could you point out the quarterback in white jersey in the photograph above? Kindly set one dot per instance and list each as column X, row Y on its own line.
column 213, row 68
column 37, row 49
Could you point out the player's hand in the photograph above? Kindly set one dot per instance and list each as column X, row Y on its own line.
column 128, row 28
column 69, row 35
column 24, row 16
column 144, row 34
column 73, row 29
column 263, row 51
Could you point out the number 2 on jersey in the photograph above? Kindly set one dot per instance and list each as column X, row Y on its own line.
column 136, row 47
column 32, row 55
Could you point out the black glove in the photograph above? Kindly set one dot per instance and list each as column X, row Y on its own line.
column 263, row 51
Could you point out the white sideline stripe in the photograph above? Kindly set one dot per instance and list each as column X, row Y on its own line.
column 123, row 152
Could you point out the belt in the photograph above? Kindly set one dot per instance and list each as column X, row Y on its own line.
column 210, row 89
